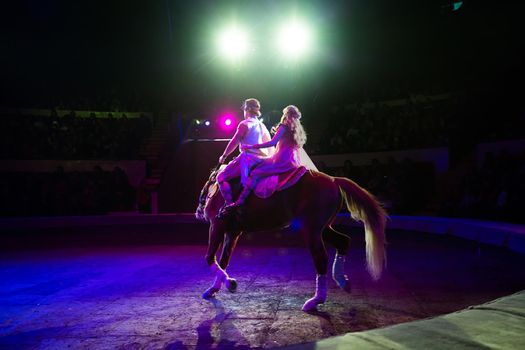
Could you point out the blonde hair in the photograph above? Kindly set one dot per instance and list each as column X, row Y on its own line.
column 292, row 119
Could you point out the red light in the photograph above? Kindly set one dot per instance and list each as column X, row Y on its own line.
column 228, row 122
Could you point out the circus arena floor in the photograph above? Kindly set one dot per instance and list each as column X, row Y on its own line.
column 108, row 289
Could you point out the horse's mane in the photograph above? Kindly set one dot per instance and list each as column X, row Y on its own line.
column 205, row 195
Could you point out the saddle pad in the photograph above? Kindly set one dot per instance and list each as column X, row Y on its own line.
column 267, row 186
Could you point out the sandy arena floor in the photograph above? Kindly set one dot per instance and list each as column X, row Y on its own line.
column 149, row 297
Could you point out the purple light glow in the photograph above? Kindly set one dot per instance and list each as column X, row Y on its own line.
column 227, row 122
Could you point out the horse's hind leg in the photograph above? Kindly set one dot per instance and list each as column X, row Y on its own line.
column 336, row 239
column 340, row 242
column 230, row 241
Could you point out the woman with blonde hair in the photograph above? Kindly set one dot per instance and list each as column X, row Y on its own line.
column 289, row 138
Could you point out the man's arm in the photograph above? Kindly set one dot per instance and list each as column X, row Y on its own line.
column 234, row 142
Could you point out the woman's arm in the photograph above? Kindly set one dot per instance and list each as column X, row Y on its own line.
column 278, row 135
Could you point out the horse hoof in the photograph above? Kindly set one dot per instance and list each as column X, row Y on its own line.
column 231, row 284
column 210, row 293
column 311, row 304
column 343, row 283
column 347, row 287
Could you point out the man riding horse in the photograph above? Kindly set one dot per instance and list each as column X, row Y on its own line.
column 308, row 198
column 250, row 131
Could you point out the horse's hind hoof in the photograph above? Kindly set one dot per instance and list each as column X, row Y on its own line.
column 231, row 284
column 210, row 293
column 343, row 283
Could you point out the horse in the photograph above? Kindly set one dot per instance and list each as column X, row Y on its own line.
column 310, row 206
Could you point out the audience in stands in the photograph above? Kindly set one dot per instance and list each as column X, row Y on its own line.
column 403, row 187
column 66, row 193
column 494, row 191
column 444, row 120
column 101, row 100
column 71, row 137
column 384, row 125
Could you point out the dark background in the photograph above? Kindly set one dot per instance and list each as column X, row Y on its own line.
column 160, row 54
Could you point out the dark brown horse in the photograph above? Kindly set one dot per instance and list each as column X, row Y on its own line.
column 311, row 205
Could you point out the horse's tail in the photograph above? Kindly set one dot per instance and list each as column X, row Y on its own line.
column 364, row 207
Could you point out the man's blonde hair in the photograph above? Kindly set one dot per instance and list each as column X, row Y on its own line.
column 253, row 105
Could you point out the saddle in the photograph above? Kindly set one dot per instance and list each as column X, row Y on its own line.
column 267, row 186
column 264, row 188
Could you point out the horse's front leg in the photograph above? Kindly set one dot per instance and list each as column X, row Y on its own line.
column 218, row 235
column 320, row 258
column 215, row 238
column 230, row 241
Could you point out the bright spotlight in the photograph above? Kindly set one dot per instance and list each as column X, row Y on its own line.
column 456, row 5
column 228, row 122
column 233, row 43
column 207, row 123
column 294, row 40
